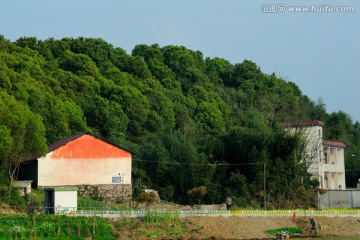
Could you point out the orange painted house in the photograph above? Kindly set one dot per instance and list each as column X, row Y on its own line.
column 80, row 160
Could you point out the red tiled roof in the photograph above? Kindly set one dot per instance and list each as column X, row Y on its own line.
column 64, row 141
column 334, row 144
column 304, row 124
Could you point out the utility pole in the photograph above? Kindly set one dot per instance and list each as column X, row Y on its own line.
column 264, row 188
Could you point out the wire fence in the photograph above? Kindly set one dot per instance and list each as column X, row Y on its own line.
column 103, row 212
column 299, row 212
column 77, row 223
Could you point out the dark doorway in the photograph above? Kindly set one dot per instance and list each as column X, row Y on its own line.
column 49, row 200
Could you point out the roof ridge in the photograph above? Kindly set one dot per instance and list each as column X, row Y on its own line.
column 334, row 144
column 64, row 141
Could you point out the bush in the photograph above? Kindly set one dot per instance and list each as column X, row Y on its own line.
column 197, row 193
column 147, row 198
column 14, row 198
column 32, row 205
column 167, row 193
column 136, row 192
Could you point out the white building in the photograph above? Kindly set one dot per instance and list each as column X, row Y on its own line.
column 81, row 159
column 91, row 163
column 61, row 200
column 325, row 158
column 24, row 187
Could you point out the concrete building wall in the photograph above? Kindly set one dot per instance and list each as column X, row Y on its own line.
column 339, row 199
column 83, row 171
column 314, row 140
column 86, row 160
column 313, row 152
column 65, row 200
column 326, row 159
column 333, row 167
column 341, row 183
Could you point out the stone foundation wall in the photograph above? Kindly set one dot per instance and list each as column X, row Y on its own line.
column 110, row 193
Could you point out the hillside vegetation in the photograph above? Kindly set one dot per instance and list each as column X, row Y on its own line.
column 190, row 120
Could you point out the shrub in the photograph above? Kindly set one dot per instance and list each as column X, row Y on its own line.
column 197, row 193
column 14, row 198
column 136, row 192
column 147, row 198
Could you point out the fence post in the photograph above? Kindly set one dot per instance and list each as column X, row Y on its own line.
column 94, row 225
column 33, row 225
column 58, row 231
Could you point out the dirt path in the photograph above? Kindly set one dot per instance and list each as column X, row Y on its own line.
column 235, row 227
column 248, row 227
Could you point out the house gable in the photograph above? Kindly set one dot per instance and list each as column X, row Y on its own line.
column 88, row 146
column 84, row 159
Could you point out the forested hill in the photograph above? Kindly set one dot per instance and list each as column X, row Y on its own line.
column 191, row 120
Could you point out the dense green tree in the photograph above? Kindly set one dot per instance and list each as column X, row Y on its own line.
column 148, row 52
column 5, row 82
column 135, row 105
column 79, row 64
column 220, row 71
column 210, row 118
column 106, row 118
column 23, row 136
column 202, row 121
column 139, row 68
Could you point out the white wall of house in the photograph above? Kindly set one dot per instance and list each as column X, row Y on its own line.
column 327, row 163
column 65, row 200
column 314, row 137
column 54, row 172
column 333, row 166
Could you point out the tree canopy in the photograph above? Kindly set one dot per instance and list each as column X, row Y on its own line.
column 192, row 121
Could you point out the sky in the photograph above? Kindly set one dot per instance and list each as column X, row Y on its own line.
column 319, row 50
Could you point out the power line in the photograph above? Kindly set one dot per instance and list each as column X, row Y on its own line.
column 200, row 164
column 216, row 164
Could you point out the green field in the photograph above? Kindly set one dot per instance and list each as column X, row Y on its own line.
column 54, row 227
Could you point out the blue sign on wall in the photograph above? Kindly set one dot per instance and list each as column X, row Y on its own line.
column 116, row 179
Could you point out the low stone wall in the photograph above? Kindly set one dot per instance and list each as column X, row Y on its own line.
column 110, row 193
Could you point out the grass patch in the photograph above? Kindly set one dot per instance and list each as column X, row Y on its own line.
column 119, row 206
column 38, row 195
column 87, row 203
column 155, row 225
column 163, row 230
column 130, row 223
column 291, row 230
column 155, row 216
column 41, row 226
